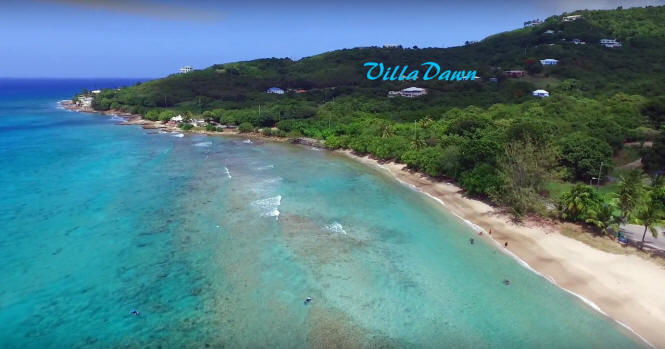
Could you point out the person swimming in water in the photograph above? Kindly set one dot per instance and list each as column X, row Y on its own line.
column 506, row 282
column 471, row 241
column 135, row 312
column 309, row 299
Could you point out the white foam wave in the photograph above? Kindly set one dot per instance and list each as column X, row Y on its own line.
column 315, row 148
column 161, row 132
column 261, row 168
column 228, row 173
column 247, row 141
column 273, row 213
column 117, row 118
column 335, row 227
column 203, row 144
column 269, row 206
column 272, row 180
column 179, row 135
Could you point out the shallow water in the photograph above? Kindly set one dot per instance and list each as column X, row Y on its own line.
column 217, row 242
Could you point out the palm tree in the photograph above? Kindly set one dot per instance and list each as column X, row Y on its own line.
column 387, row 130
column 579, row 202
column 425, row 122
column 651, row 217
column 418, row 142
column 604, row 218
column 631, row 189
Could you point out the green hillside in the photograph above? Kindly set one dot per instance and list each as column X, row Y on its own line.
column 480, row 133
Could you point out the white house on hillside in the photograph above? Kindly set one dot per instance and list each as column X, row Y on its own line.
column 409, row 92
column 571, row 18
column 413, row 92
column 275, row 90
column 549, row 61
column 540, row 93
column 610, row 43
column 186, row 69
column 532, row 23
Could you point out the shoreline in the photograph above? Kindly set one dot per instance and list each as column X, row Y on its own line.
column 624, row 287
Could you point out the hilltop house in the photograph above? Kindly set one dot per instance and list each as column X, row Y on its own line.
column 275, row 90
column 532, row 23
column 186, row 69
column 549, row 61
column 540, row 93
column 515, row 73
column 550, row 31
column 610, row 43
column 392, row 46
column 571, row 18
column 409, row 92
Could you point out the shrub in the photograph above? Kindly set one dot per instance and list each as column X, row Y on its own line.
column 481, row 180
column 245, row 127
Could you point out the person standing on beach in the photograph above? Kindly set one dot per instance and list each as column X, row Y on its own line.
column 506, row 244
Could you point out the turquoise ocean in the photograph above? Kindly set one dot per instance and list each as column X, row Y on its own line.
column 217, row 242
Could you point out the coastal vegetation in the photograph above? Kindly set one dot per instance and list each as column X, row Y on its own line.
column 489, row 135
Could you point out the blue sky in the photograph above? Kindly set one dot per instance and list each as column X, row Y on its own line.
column 124, row 38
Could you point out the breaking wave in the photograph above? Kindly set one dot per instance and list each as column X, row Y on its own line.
column 335, row 227
column 203, row 144
column 269, row 206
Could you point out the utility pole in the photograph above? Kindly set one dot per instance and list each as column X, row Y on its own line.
column 600, row 170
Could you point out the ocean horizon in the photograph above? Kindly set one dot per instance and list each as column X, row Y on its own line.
column 217, row 242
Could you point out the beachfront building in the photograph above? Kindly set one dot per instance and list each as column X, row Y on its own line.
column 275, row 90
column 533, row 23
column 96, row 91
column 84, row 101
column 540, row 93
column 198, row 123
column 176, row 120
column 186, row 69
column 515, row 73
column 610, row 43
column 549, row 61
column 571, row 18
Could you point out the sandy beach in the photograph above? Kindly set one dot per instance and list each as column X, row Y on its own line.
column 625, row 287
